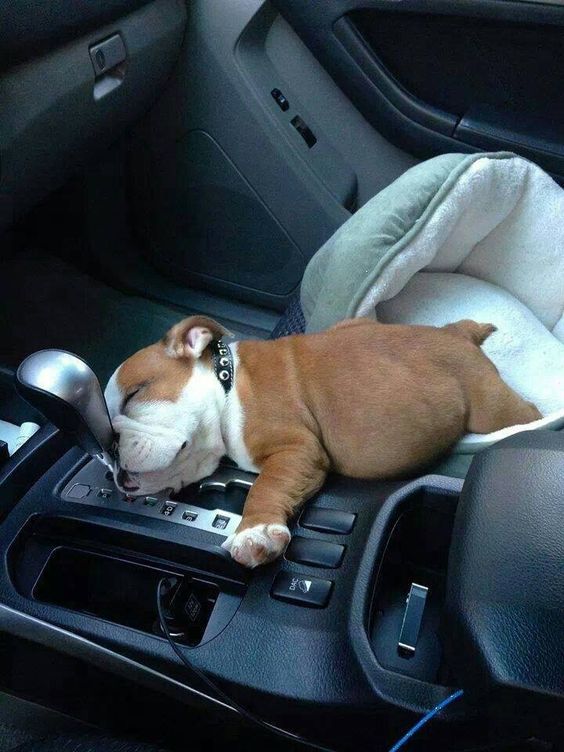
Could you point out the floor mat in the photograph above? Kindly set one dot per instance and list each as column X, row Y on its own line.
column 45, row 303
column 11, row 737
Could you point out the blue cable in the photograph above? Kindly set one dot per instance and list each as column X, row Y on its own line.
column 426, row 718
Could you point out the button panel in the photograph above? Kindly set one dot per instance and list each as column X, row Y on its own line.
column 301, row 589
column 90, row 486
column 315, row 553
column 328, row 520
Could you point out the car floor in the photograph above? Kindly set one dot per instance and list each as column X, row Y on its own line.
column 22, row 721
column 11, row 737
column 47, row 303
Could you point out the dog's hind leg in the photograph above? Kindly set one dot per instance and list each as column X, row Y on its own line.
column 471, row 330
column 494, row 405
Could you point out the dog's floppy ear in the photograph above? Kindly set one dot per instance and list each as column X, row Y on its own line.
column 191, row 336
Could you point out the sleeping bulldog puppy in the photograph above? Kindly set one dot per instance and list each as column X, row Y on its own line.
column 364, row 399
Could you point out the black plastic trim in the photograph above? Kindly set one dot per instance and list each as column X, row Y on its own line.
column 30, row 628
column 385, row 88
column 488, row 128
column 406, row 121
column 28, row 464
column 392, row 686
column 29, row 28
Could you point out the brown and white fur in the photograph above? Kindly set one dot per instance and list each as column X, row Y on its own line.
column 364, row 399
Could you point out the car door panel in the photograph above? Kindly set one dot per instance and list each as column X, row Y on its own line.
column 442, row 75
column 29, row 28
column 245, row 219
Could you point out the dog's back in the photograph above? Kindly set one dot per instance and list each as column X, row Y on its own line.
column 385, row 399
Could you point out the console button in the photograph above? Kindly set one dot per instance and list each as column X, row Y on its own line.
column 168, row 509
column 316, row 553
column 189, row 516
column 104, row 493
column 79, row 491
column 220, row 522
column 328, row 520
column 150, row 501
column 301, row 589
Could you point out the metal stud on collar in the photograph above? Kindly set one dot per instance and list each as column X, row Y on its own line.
column 222, row 364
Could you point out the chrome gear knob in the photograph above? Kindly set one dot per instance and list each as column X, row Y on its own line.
column 67, row 392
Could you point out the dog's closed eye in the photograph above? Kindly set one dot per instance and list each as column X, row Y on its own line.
column 129, row 398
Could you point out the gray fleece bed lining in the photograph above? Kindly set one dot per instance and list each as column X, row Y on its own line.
column 478, row 237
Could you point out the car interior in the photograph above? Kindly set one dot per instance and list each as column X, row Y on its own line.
column 163, row 158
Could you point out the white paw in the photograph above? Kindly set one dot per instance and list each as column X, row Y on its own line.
column 258, row 545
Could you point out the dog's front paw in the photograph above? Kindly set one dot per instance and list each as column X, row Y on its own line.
column 258, row 545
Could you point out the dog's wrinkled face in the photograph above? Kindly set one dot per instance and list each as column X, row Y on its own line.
column 164, row 403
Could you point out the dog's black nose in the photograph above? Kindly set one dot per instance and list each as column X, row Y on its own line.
column 125, row 481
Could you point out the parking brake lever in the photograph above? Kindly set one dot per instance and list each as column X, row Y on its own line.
column 65, row 389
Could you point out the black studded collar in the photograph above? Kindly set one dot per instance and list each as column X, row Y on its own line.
column 222, row 364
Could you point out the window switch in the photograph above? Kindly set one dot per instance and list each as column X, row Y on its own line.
column 301, row 590
column 315, row 553
column 305, row 131
column 280, row 100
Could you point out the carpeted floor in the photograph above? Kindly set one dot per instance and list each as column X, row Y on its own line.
column 46, row 303
column 11, row 737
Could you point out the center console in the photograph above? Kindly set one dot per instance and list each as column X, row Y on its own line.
column 348, row 630
column 82, row 564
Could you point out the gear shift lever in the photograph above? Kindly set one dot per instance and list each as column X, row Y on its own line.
column 65, row 389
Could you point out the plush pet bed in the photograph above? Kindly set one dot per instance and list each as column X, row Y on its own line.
column 459, row 236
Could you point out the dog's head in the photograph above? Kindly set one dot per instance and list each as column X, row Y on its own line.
column 164, row 403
